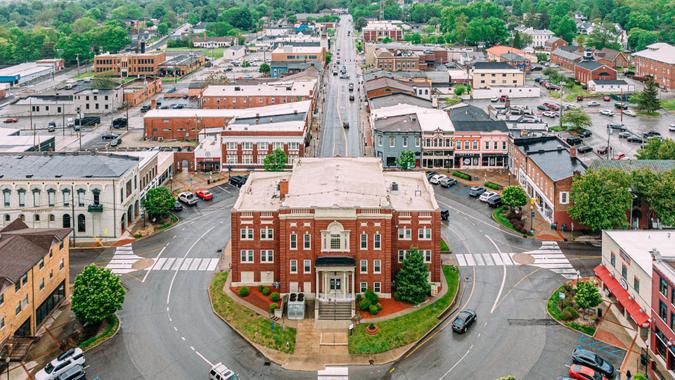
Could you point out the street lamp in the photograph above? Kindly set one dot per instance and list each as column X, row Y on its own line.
column 562, row 106
column 7, row 360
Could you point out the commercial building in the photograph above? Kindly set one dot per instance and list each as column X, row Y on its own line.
column 612, row 58
column 129, row 64
column 214, row 42
column 98, row 195
column 180, row 65
column 554, row 43
column 393, row 135
column 386, row 86
column 26, row 72
column 11, row 141
column 140, row 90
column 377, row 30
column 495, row 74
column 187, row 124
column 398, row 56
column 496, row 52
column 480, row 142
column 545, row 167
column 293, row 59
column 260, row 95
column 332, row 240
column 658, row 62
column 602, row 86
column 586, row 71
column 34, row 277
column 58, row 63
column 538, row 36
column 566, row 58
column 662, row 333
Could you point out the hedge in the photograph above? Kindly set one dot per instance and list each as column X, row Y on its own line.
column 492, row 185
column 461, row 175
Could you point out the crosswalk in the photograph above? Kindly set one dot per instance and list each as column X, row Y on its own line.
column 548, row 256
column 123, row 261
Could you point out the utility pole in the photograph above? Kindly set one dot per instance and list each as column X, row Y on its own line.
column 30, row 105
column 79, row 123
column 562, row 106
column 621, row 108
column 77, row 57
column 72, row 209
column 63, row 118
column 609, row 132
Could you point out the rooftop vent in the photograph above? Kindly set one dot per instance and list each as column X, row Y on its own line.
column 394, row 186
column 29, row 176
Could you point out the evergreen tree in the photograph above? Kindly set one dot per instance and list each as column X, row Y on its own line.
column 411, row 281
column 649, row 98
column 517, row 42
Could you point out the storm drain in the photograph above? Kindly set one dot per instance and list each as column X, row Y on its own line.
column 532, row 322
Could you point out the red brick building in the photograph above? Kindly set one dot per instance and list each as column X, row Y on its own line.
column 565, row 58
column 662, row 333
column 379, row 30
column 554, row 43
column 612, row 58
column 259, row 95
column 657, row 61
column 586, row 71
column 333, row 238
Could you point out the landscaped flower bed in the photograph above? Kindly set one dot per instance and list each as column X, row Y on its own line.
column 261, row 296
column 568, row 312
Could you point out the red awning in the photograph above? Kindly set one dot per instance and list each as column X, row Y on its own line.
column 622, row 296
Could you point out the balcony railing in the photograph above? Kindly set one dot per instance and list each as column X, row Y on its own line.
column 95, row 208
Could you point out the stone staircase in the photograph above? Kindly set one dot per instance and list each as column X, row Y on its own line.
column 335, row 310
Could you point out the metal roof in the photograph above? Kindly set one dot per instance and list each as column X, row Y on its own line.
column 64, row 165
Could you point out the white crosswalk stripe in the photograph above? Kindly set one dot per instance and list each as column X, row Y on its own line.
column 124, row 258
column 548, row 256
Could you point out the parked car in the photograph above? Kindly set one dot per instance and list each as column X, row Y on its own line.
column 606, row 98
column 51, row 127
column 109, row 136
column 351, row 87
column 237, row 180
column 629, row 113
column 516, row 111
column 585, row 134
column 580, row 372
column 635, row 139
column 177, row 207
column 70, row 122
column 625, row 134
column 573, row 140
column 495, row 201
column 351, row 97
column 550, row 114
column 445, row 214
column 621, row 106
column 592, row 360
column 430, row 174
column 542, row 107
column 476, row 191
column 116, row 142
column 619, row 127
column 220, row 372
column 593, row 104
column 463, row 321
column 188, row 198
column 503, row 98
column 204, row 195
column 584, row 149
column 494, row 100
column 580, row 98
column 70, row 358
column 552, row 106
column 11, row 120
column 486, row 195
column 671, row 128
column 602, row 150
column 120, row 122
column 73, row 373
column 447, row 182
column 649, row 134
column 437, row 178
column 607, row 112
column 619, row 156
column 345, row 125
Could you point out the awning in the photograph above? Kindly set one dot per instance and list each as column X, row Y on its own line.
column 622, row 296
column 335, row 261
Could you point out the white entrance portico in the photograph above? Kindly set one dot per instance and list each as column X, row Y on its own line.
column 335, row 289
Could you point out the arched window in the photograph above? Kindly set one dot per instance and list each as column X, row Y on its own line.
column 52, row 218
column 81, row 223
column 66, row 220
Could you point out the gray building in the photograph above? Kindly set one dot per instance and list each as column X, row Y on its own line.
column 393, row 135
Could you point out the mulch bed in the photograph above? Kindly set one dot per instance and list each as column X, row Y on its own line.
column 256, row 298
column 389, row 306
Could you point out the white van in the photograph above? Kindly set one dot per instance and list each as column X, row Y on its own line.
column 220, row 372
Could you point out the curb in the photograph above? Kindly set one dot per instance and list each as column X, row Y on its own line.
column 134, row 239
column 502, row 227
column 100, row 342
column 563, row 324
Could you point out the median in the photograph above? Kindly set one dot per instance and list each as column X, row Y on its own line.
column 408, row 328
column 252, row 326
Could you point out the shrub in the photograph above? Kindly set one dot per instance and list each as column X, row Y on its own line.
column 572, row 312
column 373, row 309
column 379, row 306
column 371, row 326
column 565, row 315
column 461, row 175
column 365, row 304
column 243, row 292
column 492, row 185
column 567, row 287
column 274, row 297
column 371, row 296
column 265, row 291
column 272, row 307
column 260, row 288
column 359, row 297
column 567, row 302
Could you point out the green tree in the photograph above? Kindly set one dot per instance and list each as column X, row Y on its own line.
column 517, row 42
column 97, row 295
column 514, row 196
column 329, row 57
column 601, row 199
column 648, row 99
column 110, row 38
column 657, row 149
column 406, row 160
column 411, row 281
column 576, row 119
column 587, row 295
column 275, row 161
column 565, row 27
column 163, row 28
column 239, row 17
column 264, row 68
column 83, row 25
column 661, row 196
column 158, row 202
column 639, row 39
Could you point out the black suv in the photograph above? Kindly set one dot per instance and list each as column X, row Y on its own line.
column 238, row 180
column 592, row 360
column 572, row 141
column 585, row 133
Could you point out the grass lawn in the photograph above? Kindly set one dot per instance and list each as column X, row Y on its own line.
column 405, row 329
column 86, row 74
column 211, row 53
column 555, row 312
column 110, row 329
column 571, row 93
column 668, row 104
column 649, row 114
column 444, row 246
column 256, row 328
column 500, row 216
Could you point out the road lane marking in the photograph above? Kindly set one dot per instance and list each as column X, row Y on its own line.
column 479, row 259
column 501, row 288
column 457, row 363
column 168, row 294
column 169, row 263
column 497, row 258
column 469, row 260
column 179, row 262
column 155, row 262
column 506, row 258
column 186, row 264
column 205, row 264
column 195, row 264
column 488, row 258
column 213, row 264
column 461, row 260
column 204, row 359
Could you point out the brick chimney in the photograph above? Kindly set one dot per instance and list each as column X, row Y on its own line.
column 153, row 104
column 283, row 189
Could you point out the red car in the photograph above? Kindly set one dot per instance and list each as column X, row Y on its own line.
column 606, row 98
column 503, row 98
column 584, row 373
column 204, row 195
column 551, row 106
column 619, row 156
column 11, row 120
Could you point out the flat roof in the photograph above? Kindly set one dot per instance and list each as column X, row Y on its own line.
column 277, row 109
column 64, row 166
column 491, row 66
column 26, row 68
column 285, row 88
column 398, row 99
column 403, row 123
column 429, row 119
column 298, row 49
column 637, row 244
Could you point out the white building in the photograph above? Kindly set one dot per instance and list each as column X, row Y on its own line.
column 25, row 72
column 610, row 87
column 539, row 36
column 495, row 74
column 99, row 196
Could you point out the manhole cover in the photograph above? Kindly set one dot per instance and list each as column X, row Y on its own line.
column 142, row 264
column 532, row 322
column 523, row 258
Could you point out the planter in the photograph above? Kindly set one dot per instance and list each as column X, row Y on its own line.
column 372, row 329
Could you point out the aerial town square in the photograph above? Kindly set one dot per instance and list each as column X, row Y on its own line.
column 337, row 189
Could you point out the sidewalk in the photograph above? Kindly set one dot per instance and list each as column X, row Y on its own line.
column 614, row 332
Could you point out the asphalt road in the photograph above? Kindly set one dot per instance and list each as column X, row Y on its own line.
column 336, row 140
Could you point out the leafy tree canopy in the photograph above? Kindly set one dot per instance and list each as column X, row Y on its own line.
column 159, row 201
column 601, row 199
column 97, row 294
column 275, row 161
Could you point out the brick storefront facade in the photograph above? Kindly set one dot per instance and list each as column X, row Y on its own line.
column 658, row 62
